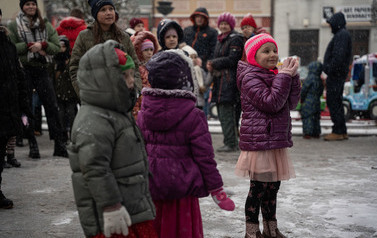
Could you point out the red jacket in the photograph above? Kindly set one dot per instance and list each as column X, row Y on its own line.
column 71, row 27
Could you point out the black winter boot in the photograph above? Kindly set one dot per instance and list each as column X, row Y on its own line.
column 5, row 202
column 34, row 151
column 13, row 161
column 60, row 149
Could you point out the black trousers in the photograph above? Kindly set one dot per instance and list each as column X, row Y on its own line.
column 262, row 196
column 38, row 79
column 334, row 100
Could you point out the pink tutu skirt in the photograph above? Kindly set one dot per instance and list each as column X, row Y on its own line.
column 265, row 166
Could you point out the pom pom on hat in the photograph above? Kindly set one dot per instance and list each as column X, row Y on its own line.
column 134, row 21
column 97, row 4
column 254, row 43
column 147, row 44
column 22, row 2
column 227, row 17
column 248, row 20
column 125, row 61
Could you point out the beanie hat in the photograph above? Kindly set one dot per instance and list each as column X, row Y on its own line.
column 227, row 17
column 189, row 50
column 147, row 44
column 254, row 43
column 248, row 20
column 125, row 61
column 134, row 21
column 23, row 2
column 170, row 69
column 97, row 4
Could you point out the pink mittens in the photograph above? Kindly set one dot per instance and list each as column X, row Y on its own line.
column 221, row 199
column 289, row 66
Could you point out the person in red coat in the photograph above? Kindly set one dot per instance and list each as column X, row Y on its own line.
column 71, row 26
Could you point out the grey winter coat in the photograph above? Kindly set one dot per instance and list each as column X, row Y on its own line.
column 107, row 153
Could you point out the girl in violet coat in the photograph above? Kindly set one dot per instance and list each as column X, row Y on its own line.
column 267, row 96
column 179, row 147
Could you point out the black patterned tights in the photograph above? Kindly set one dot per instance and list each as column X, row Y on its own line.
column 262, row 195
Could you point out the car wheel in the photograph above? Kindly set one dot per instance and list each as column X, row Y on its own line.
column 347, row 110
column 373, row 110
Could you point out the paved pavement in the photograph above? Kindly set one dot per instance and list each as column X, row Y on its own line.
column 334, row 194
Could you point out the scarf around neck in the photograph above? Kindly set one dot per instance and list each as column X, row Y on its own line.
column 31, row 34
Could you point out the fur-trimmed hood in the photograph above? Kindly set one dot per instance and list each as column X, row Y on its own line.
column 138, row 39
column 164, row 109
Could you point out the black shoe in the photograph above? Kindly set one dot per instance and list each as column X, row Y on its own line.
column 7, row 166
column 13, row 161
column 34, row 151
column 5, row 202
column 226, row 148
column 60, row 150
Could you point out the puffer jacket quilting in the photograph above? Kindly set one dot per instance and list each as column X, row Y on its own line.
column 179, row 145
column 266, row 101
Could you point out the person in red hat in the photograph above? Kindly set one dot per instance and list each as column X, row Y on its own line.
column 136, row 25
column 249, row 29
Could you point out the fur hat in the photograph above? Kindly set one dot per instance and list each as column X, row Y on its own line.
column 134, row 21
column 254, row 43
column 97, row 4
column 125, row 61
column 171, row 69
column 23, row 2
column 227, row 17
column 189, row 50
column 248, row 20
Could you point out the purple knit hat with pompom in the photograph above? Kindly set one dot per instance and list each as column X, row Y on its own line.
column 229, row 18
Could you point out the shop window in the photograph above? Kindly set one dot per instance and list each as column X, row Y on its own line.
column 304, row 43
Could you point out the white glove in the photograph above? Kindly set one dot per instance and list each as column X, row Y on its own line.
column 116, row 222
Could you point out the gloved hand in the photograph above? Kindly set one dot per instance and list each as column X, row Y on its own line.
column 289, row 67
column 116, row 222
column 221, row 199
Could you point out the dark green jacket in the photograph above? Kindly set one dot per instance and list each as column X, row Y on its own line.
column 85, row 41
column 107, row 154
column 53, row 45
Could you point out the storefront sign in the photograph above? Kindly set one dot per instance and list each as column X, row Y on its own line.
column 361, row 13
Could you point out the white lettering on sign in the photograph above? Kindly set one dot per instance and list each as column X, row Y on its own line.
column 356, row 13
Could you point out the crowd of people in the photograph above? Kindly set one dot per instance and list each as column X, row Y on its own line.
column 129, row 110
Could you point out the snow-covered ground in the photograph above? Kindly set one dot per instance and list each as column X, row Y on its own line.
column 334, row 194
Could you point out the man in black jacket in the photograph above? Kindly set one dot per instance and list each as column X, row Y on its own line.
column 201, row 36
column 336, row 65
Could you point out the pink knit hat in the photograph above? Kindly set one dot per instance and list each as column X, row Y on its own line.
column 229, row 18
column 147, row 44
column 254, row 43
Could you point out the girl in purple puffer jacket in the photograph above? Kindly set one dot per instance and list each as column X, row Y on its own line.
column 179, row 147
column 267, row 96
